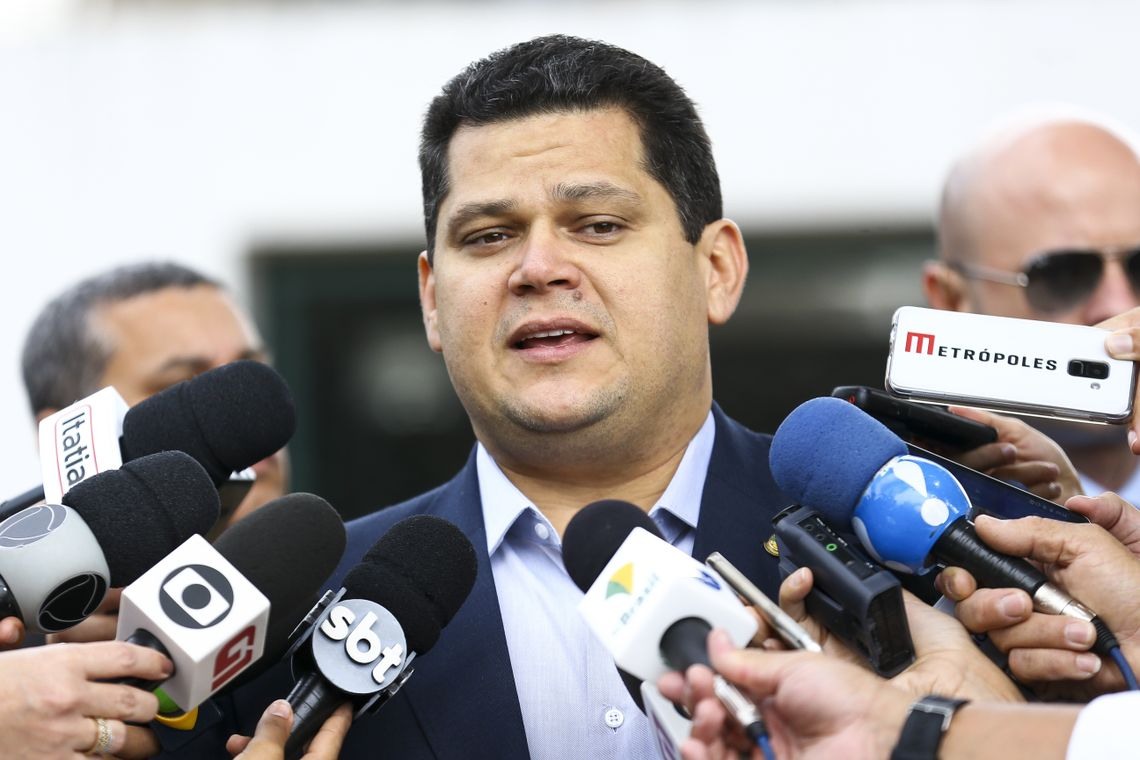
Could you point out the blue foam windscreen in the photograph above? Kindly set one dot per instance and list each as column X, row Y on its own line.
column 825, row 453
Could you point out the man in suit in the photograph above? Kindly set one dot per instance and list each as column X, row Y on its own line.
column 576, row 256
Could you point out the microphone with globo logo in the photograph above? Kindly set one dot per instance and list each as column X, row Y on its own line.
column 214, row 610
column 58, row 560
column 358, row 644
column 911, row 514
column 652, row 605
column 228, row 419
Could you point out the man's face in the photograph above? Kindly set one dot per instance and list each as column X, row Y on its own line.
column 173, row 334
column 564, row 295
column 1084, row 195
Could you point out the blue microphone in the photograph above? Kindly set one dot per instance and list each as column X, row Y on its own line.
column 909, row 513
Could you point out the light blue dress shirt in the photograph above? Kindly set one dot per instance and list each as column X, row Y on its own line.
column 574, row 704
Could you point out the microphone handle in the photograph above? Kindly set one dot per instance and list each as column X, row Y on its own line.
column 313, row 700
column 960, row 546
column 150, row 641
column 22, row 501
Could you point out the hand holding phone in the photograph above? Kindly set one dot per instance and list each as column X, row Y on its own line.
column 1022, row 366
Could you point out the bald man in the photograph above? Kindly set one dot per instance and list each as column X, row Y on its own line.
column 1042, row 221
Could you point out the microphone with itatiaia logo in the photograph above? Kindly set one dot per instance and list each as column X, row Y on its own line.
column 227, row 419
column 359, row 643
column 214, row 609
column 911, row 514
column 58, row 560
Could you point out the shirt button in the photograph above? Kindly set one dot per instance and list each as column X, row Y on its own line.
column 542, row 531
column 614, row 718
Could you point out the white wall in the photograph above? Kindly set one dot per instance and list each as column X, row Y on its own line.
column 190, row 132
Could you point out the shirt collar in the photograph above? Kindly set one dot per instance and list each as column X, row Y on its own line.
column 682, row 498
column 503, row 503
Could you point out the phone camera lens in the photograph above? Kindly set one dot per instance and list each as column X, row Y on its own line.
column 1094, row 370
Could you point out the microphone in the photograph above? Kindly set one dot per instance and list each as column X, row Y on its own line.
column 671, row 727
column 908, row 512
column 214, row 610
column 651, row 604
column 358, row 644
column 228, row 419
column 58, row 560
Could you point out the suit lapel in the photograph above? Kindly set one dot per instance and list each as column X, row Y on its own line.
column 739, row 501
column 463, row 692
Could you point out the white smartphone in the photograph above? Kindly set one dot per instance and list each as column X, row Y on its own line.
column 1023, row 366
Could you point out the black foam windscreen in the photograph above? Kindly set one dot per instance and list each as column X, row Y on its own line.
column 593, row 536
column 421, row 570
column 287, row 549
column 228, row 418
column 144, row 510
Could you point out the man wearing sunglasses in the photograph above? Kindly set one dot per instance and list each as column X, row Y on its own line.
column 1042, row 221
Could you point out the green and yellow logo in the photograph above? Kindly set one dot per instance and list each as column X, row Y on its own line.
column 621, row 582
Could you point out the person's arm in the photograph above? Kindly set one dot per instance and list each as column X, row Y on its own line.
column 818, row 707
column 53, row 703
column 1009, row 732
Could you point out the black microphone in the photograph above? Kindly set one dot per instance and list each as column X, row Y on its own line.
column 910, row 513
column 677, row 598
column 57, row 561
column 227, row 419
column 285, row 550
column 358, row 644
column 590, row 540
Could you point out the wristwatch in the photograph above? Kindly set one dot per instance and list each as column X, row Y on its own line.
column 925, row 724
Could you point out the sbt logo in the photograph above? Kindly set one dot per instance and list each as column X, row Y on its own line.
column 370, row 636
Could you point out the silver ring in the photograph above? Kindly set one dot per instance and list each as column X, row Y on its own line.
column 103, row 738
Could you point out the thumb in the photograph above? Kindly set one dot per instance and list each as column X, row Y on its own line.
column 273, row 728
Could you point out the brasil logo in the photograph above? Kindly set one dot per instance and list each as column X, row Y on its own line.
column 621, row 582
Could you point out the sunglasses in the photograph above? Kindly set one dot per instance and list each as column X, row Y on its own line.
column 1059, row 280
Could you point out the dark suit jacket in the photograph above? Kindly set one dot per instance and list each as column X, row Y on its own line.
column 461, row 701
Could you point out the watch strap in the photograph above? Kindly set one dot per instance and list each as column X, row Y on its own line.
column 925, row 724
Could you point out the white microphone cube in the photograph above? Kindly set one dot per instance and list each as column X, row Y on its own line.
column 647, row 586
column 211, row 620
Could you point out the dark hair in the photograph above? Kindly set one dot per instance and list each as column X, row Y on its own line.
column 64, row 358
column 559, row 73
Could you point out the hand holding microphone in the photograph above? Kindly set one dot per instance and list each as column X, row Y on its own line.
column 1047, row 650
column 359, row 645
column 215, row 609
column 268, row 740
column 52, row 703
column 652, row 606
column 816, row 706
column 910, row 513
column 946, row 659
